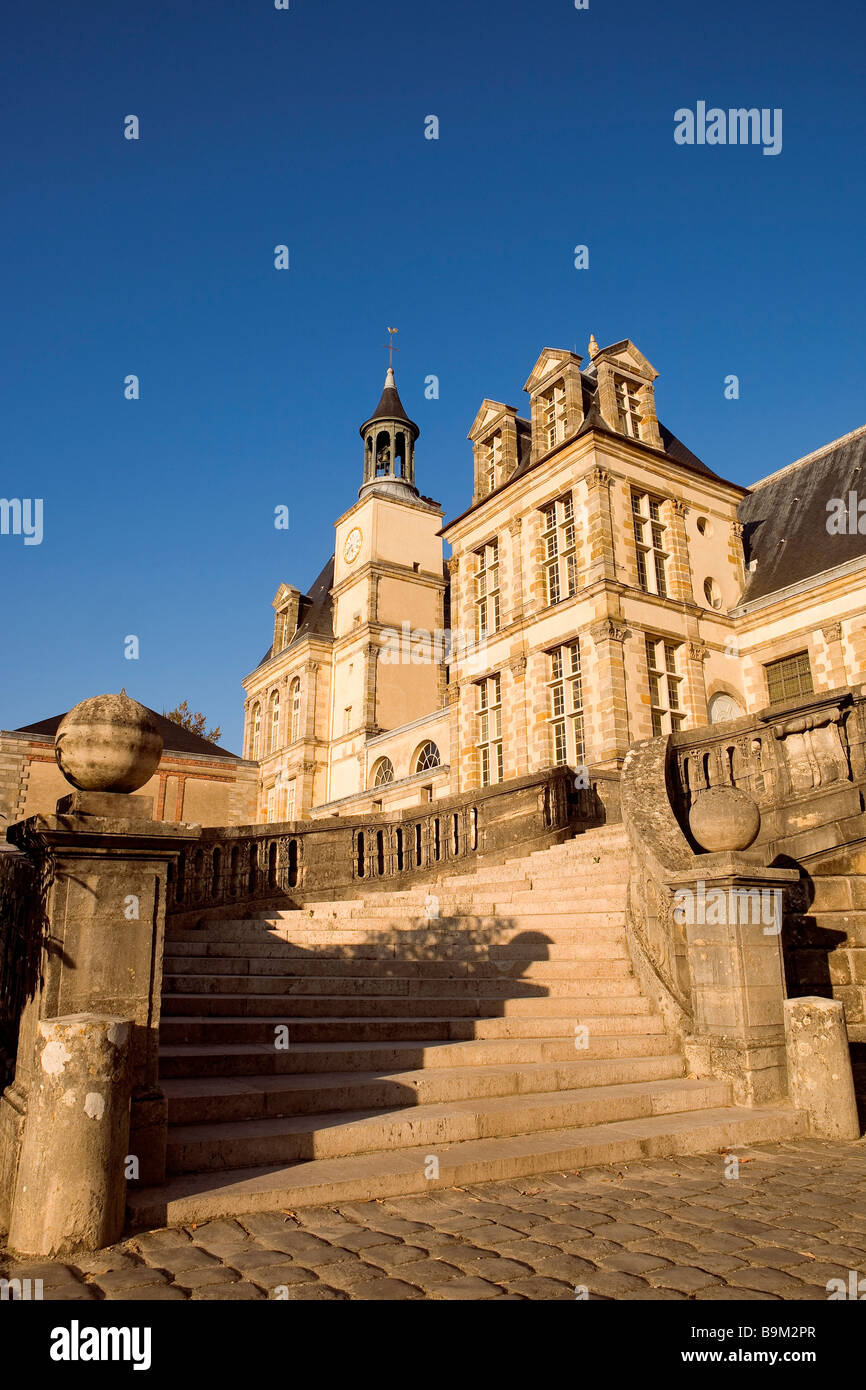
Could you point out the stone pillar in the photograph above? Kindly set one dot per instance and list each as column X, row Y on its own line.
column 835, row 672
column 457, row 618
column 600, row 548
column 731, row 912
column 819, row 1067
column 613, row 739
column 453, row 691
column 69, row 1192
column 107, row 907
column 516, row 566
column 371, row 672
column 311, row 673
column 696, row 685
column 679, row 568
column 515, row 731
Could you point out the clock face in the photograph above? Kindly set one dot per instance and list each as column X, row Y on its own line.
column 353, row 544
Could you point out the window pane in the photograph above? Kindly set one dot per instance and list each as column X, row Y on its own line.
column 661, row 582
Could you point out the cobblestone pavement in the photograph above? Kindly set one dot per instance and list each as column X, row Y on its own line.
column 674, row 1228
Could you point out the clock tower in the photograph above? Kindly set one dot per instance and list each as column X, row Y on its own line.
column 388, row 572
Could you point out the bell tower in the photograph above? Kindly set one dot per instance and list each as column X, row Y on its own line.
column 389, row 442
column 388, row 574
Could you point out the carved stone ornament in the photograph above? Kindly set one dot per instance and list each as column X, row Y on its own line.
column 608, row 630
column 812, row 748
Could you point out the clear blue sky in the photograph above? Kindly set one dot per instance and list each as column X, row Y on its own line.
column 306, row 127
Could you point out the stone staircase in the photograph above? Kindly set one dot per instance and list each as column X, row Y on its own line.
column 486, row 1026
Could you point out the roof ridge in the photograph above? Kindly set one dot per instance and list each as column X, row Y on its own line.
column 810, row 458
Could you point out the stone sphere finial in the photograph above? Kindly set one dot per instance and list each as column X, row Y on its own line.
column 108, row 744
column 724, row 818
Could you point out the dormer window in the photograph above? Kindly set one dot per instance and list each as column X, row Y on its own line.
column 628, row 406
column 552, row 415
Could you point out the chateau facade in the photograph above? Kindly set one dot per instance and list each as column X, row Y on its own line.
column 604, row 586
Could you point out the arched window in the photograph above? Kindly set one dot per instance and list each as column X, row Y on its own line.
column 295, row 706
column 427, row 757
column 383, row 772
column 274, row 723
column 383, row 454
column 723, row 707
column 256, row 732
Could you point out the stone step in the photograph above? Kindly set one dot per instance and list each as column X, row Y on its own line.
column 470, row 910
column 400, row 1172
column 462, row 899
column 260, row 1059
column 378, row 959
column 491, row 993
column 535, row 962
column 245, row 997
column 178, row 1030
column 342, row 1134
column 438, row 937
column 196, row 1100
column 496, row 984
column 605, row 878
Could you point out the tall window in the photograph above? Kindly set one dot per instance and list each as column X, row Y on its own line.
column 649, row 539
column 290, row 801
column 789, row 677
column 487, row 608
column 552, row 415
column 347, row 719
column 491, row 463
column 566, row 705
column 628, row 406
column 274, row 723
column 560, row 554
column 256, row 732
column 662, row 659
column 490, row 729
column 295, row 708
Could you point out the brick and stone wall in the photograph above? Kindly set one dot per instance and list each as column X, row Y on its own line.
column 186, row 787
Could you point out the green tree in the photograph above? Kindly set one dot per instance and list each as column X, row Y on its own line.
column 196, row 723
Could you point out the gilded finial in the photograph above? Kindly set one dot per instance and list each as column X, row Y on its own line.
column 593, row 346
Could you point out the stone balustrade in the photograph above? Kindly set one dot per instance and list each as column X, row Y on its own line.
column 801, row 762
column 305, row 860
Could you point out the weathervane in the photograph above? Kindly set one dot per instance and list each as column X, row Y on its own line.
column 390, row 348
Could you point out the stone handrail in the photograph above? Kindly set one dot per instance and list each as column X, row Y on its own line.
column 657, row 849
column 334, row 857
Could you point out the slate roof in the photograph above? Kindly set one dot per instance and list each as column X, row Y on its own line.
column 174, row 738
column 390, row 407
column 785, row 518
column 315, row 616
